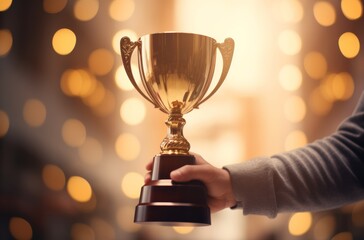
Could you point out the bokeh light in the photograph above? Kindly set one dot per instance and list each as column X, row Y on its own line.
column 352, row 9
column 131, row 184
column 343, row 236
column 85, row 10
column 6, row 40
column 4, row 123
column 54, row 6
column 127, row 146
column 5, row 5
column 342, row 86
column 91, row 151
column 289, row 11
column 106, row 106
column 294, row 109
column 73, row 132
column 89, row 206
column 79, row 189
column 34, row 112
column 336, row 87
column 319, row 103
column 132, row 111
column 290, row 77
column 20, row 229
column 325, row 87
column 81, row 231
column 79, row 83
column 183, row 230
column 290, row 43
column 53, row 177
column 86, row 83
column 121, row 10
column 315, row 65
column 97, row 95
column 64, row 41
column 324, row 228
column 295, row 139
column 101, row 61
column 324, row 13
column 299, row 223
column 349, row 44
column 122, row 79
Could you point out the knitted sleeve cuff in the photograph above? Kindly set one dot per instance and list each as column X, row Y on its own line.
column 253, row 186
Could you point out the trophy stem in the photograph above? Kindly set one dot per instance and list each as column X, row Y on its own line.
column 175, row 142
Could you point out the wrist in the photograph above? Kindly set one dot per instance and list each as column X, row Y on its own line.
column 229, row 195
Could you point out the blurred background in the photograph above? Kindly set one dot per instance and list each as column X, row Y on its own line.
column 75, row 135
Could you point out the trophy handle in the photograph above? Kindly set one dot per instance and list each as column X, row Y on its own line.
column 226, row 49
column 127, row 47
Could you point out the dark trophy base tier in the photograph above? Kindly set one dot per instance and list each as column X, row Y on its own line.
column 165, row 202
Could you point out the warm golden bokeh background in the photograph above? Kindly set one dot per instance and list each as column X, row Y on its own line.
column 75, row 135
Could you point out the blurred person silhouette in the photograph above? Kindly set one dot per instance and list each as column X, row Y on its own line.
column 322, row 175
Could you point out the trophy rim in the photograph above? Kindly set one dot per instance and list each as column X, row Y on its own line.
column 176, row 33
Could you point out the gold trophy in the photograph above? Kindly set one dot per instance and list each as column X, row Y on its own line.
column 176, row 71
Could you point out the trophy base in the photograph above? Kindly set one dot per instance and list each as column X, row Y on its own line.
column 165, row 202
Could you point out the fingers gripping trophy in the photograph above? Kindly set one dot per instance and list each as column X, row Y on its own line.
column 176, row 71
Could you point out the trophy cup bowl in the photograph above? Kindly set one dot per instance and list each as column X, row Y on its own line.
column 176, row 71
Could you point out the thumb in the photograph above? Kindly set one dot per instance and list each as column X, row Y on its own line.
column 187, row 173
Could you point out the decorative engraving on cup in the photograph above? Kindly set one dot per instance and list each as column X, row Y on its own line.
column 175, row 142
column 176, row 71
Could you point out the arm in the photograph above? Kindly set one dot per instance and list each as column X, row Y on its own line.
column 325, row 174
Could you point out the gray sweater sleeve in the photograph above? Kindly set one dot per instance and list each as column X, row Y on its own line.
column 323, row 175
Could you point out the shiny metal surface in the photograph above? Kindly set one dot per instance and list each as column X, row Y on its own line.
column 176, row 70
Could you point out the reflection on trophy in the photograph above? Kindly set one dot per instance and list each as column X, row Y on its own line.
column 176, row 71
